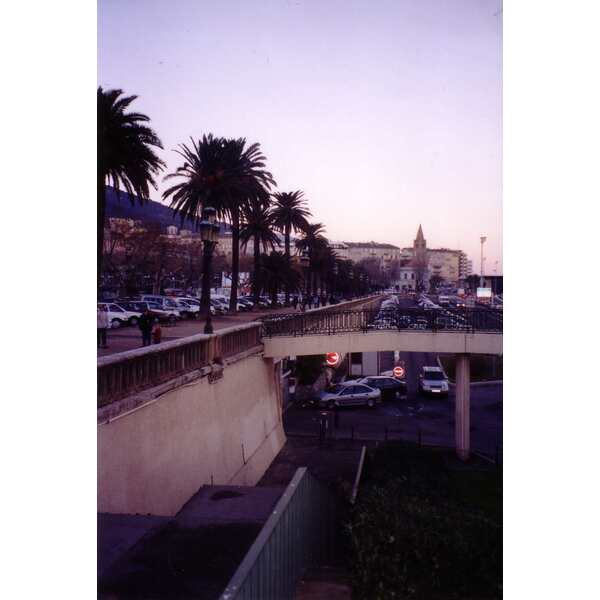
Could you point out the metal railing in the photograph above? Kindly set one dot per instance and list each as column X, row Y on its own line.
column 298, row 534
column 125, row 373
column 397, row 318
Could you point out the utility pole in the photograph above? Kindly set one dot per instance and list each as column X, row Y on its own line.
column 483, row 238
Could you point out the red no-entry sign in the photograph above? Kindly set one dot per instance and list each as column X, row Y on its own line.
column 399, row 372
column 332, row 359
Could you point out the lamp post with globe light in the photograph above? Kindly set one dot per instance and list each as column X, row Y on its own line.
column 209, row 231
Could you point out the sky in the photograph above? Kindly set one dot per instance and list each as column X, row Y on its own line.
column 386, row 113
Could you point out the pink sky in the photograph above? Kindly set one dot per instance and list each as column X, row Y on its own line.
column 386, row 113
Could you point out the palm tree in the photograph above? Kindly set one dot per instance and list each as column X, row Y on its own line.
column 290, row 213
column 126, row 155
column 258, row 225
column 226, row 175
column 312, row 240
column 277, row 273
column 325, row 260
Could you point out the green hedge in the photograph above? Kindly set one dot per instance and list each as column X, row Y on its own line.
column 421, row 531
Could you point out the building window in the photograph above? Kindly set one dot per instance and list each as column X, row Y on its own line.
column 412, row 275
column 405, row 275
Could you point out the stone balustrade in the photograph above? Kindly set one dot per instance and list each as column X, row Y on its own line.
column 125, row 373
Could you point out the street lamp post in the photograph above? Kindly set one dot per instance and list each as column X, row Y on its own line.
column 305, row 265
column 481, row 277
column 209, row 230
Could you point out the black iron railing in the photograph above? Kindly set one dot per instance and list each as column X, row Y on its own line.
column 367, row 320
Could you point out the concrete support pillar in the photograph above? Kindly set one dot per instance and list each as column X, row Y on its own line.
column 462, row 415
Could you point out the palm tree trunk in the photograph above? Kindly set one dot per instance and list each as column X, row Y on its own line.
column 235, row 257
column 256, row 278
column 287, row 258
column 101, row 201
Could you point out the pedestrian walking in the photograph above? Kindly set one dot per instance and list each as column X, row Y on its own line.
column 310, row 302
column 295, row 302
column 145, row 323
column 102, row 325
column 157, row 334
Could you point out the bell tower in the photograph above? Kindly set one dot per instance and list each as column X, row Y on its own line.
column 420, row 261
column 420, row 247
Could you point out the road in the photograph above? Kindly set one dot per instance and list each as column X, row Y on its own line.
column 430, row 419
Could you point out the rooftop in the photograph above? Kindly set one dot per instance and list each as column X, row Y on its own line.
column 371, row 245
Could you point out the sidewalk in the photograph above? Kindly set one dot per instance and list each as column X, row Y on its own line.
column 129, row 338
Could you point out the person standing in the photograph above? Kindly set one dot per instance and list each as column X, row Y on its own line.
column 102, row 325
column 145, row 323
column 157, row 334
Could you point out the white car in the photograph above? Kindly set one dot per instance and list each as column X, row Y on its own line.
column 433, row 380
column 187, row 307
column 118, row 316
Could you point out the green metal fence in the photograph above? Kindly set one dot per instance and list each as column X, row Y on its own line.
column 298, row 534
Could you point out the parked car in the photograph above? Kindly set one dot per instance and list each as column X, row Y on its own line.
column 349, row 394
column 390, row 387
column 419, row 323
column 187, row 309
column 120, row 315
column 433, row 380
column 164, row 302
column 246, row 303
column 169, row 315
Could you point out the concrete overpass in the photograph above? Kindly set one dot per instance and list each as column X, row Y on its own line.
column 447, row 342
column 459, row 332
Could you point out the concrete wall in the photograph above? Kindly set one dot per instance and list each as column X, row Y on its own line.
column 407, row 341
column 152, row 459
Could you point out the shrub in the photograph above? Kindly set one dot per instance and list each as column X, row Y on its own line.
column 308, row 368
column 410, row 541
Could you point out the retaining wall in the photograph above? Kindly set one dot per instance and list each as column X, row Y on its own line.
column 222, row 422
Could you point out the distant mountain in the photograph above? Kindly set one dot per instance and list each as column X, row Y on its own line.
column 149, row 212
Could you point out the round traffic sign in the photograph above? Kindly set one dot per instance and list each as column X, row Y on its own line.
column 332, row 359
column 398, row 371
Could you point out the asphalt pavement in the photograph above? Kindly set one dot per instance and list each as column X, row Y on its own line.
column 429, row 420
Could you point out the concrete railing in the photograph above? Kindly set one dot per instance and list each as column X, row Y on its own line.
column 125, row 373
column 365, row 302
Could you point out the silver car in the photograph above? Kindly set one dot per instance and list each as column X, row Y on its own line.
column 350, row 394
column 433, row 380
